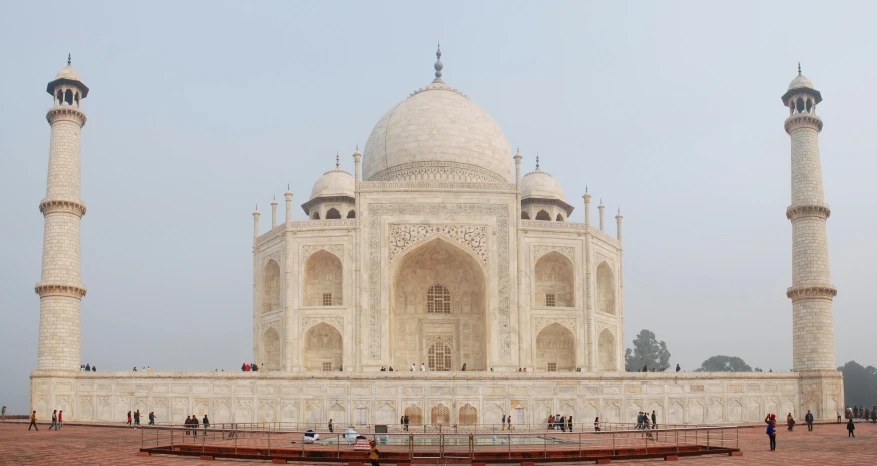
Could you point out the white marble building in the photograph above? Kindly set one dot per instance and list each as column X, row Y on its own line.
column 435, row 251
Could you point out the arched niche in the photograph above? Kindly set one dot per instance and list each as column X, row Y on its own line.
column 333, row 214
column 605, row 289
column 555, row 275
column 323, row 348
column 468, row 415
column 440, row 415
column 559, row 218
column 606, row 352
column 351, row 214
column 555, row 349
column 463, row 329
column 415, row 415
column 271, row 287
column 525, row 216
column 543, row 215
column 315, row 216
column 323, row 280
column 270, row 350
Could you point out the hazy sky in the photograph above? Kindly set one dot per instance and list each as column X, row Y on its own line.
column 199, row 110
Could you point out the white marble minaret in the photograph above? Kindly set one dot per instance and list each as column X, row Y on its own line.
column 60, row 287
column 811, row 292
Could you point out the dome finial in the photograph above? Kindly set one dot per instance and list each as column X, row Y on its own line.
column 438, row 64
column 537, row 162
column 68, row 59
column 337, row 160
column 799, row 68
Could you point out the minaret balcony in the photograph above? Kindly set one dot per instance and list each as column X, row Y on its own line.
column 803, row 119
column 66, row 112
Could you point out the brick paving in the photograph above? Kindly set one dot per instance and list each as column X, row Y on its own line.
column 88, row 445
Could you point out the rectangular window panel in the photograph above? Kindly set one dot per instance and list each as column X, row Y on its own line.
column 327, row 299
column 549, row 300
column 552, row 367
column 327, row 366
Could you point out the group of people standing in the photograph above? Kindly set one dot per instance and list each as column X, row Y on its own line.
column 192, row 424
column 862, row 413
column 404, row 420
column 247, row 367
column 87, row 368
column 561, row 423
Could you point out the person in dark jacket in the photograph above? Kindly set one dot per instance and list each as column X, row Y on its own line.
column 851, row 429
column 808, row 418
column 771, row 421
column 188, row 423
column 569, row 423
column 195, row 425
column 151, row 418
column 205, row 422
column 137, row 418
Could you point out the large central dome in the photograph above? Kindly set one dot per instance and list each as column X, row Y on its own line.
column 437, row 134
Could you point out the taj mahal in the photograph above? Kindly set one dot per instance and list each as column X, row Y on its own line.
column 437, row 250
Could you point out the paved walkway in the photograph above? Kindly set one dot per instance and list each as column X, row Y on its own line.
column 79, row 445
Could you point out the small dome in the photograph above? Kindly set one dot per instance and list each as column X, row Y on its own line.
column 335, row 182
column 68, row 72
column 541, row 185
column 801, row 82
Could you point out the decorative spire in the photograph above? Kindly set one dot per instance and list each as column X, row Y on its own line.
column 438, row 64
column 337, row 160
column 68, row 59
column 537, row 162
column 586, row 189
column 357, row 148
column 799, row 68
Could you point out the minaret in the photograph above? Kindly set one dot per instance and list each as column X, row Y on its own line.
column 60, row 287
column 256, row 224
column 811, row 292
column 274, row 213
column 288, row 204
column 602, row 209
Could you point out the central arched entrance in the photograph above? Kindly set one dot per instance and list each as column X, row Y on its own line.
column 438, row 308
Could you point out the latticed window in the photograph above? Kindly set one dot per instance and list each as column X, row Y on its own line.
column 549, row 300
column 327, row 299
column 438, row 300
column 552, row 367
column 439, row 357
column 440, row 414
column 468, row 415
column 415, row 415
column 327, row 366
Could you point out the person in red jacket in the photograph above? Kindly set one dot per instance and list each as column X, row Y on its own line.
column 771, row 421
column 60, row 420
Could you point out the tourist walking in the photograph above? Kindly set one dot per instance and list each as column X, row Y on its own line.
column 137, row 418
column 639, row 421
column 206, row 423
column 54, row 420
column 503, row 422
column 791, row 422
column 151, row 418
column 569, row 423
column 129, row 419
column 3, row 415
column 373, row 453
column 851, row 428
column 422, row 367
column 331, row 427
column 60, row 420
column 508, row 421
column 33, row 421
column 407, row 419
column 808, row 418
column 771, row 420
column 551, row 422
column 597, row 424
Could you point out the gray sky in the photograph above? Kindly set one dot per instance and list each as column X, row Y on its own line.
column 199, row 110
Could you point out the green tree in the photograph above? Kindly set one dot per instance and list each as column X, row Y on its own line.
column 860, row 384
column 724, row 364
column 648, row 352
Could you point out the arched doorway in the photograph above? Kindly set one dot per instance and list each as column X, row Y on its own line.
column 555, row 349
column 323, row 280
column 606, row 352
column 438, row 308
column 323, row 348
column 605, row 289
column 554, row 281
column 270, row 350
column 270, row 287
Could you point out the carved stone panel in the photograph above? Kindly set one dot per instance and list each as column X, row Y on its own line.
column 402, row 237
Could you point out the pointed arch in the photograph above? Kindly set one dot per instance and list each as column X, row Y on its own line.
column 271, row 349
column 333, row 214
column 559, row 218
column 525, row 216
column 440, row 415
column 543, row 215
column 271, row 287
column 606, row 352
column 323, row 348
column 324, row 280
column 555, row 275
column 351, row 214
column 415, row 415
column 315, row 215
column 468, row 415
column 605, row 289
column 555, row 349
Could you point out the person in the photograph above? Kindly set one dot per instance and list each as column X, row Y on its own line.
column 646, row 426
column 129, row 419
column 412, row 367
column 148, row 369
column 851, row 427
column 331, row 427
column 645, row 367
column 508, row 421
column 654, row 420
column 550, row 422
column 407, row 420
column 678, row 368
column 569, row 423
column 867, row 414
column 503, row 422
column 33, row 421
column 562, row 423
column 808, row 418
column 391, row 368
column 243, row 367
column 54, row 420
column 151, row 418
column 88, row 368
column 187, row 423
column 422, row 367
column 464, row 367
column 137, row 418
column 205, row 422
column 255, row 367
column 791, row 422
column 135, row 368
column 382, row 369
column 374, row 454
column 771, row 421
column 402, row 422
column 639, row 420
column 597, row 424
column 195, row 425
column 82, row 368
column 60, row 420
column 873, row 416
column 94, row 368
column 855, row 411
column 3, row 414
column 838, row 417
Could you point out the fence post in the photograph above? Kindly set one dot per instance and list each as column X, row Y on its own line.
column 269, row 443
column 172, row 439
column 203, row 438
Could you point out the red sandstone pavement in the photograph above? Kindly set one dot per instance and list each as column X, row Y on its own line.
column 87, row 445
